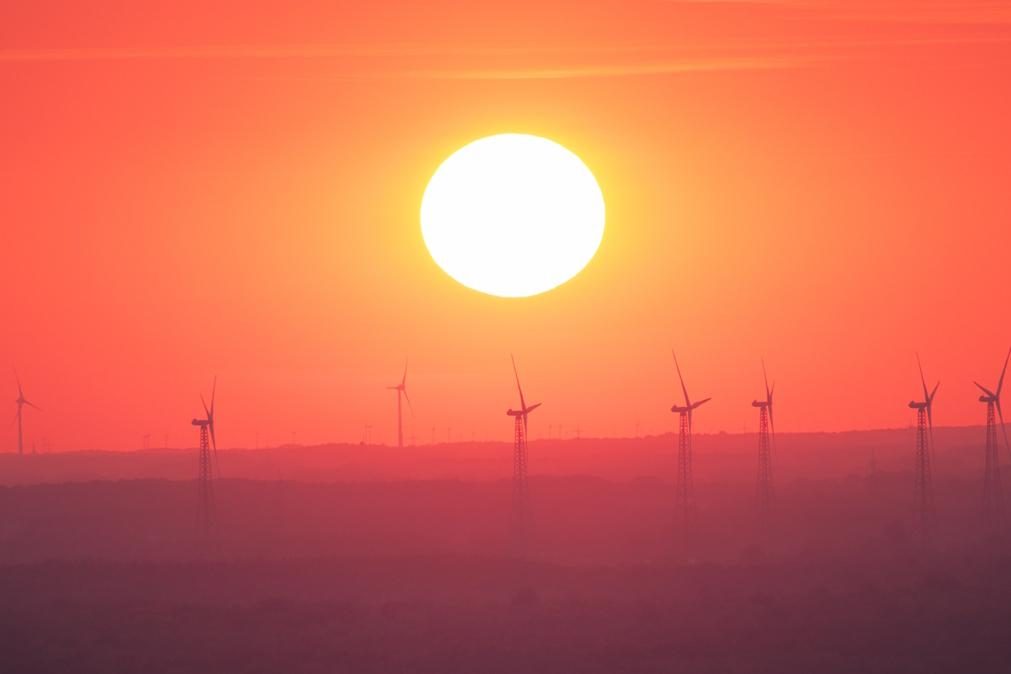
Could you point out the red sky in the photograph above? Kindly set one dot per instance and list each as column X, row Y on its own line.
column 193, row 190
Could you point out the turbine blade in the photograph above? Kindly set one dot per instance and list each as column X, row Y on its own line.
column 984, row 389
column 31, row 404
column 1000, row 382
column 930, row 400
column 684, row 390
column 765, row 376
column 214, row 388
column 698, row 404
column 408, row 398
column 203, row 402
column 689, row 413
column 772, row 420
column 18, row 378
column 523, row 405
column 528, row 410
column 923, row 379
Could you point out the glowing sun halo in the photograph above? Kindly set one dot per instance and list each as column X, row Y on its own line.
column 512, row 215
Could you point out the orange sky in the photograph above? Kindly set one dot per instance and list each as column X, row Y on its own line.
column 190, row 191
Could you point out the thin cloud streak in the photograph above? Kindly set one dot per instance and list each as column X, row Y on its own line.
column 657, row 60
column 225, row 52
column 604, row 71
column 322, row 51
column 655, row 66
column 784, row 56
column 954, row 12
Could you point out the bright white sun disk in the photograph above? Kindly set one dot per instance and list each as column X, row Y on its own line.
column 512, row 215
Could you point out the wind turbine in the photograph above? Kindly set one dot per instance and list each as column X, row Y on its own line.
column 924, row 450
column 766, row 437
column 686, row 483
column 521, row 494
column 206, row 473
column 21, row 402
column 993, row 504
column 401, row 390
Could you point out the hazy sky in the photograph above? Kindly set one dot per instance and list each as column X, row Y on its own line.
column 189, row 191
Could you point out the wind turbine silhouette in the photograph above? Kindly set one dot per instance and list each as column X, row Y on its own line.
column 521, row 494
column 766, row 423
column 205, row 477
column 767, row 403
column 924, row 450
column 523, row 411
column 21, row 402
column 689, row 406
column 992, row 399
column 927, row 404
column 928, row 396
column 401, row 390
column 992, row 494
column 685, row 480
column 208, row 420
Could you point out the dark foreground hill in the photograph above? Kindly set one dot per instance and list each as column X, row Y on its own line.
column 447, row 615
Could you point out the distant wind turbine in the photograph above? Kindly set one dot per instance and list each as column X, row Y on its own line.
column 21, row 402
column 924, row 451
column 766, row 436
column 993, row 499
column 521, row 494
column 685, row 479
column 401, row 390
column 206, row 474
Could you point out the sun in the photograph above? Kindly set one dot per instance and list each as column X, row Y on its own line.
column 512, row 215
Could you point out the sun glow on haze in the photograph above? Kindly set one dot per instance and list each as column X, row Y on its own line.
column 512, row 215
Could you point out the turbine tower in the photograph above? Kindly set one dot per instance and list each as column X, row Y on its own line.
column 401, row 390
column 685, row 488
column 924, row 453
column 21, row 402
column 521, row 493
column 205, row 479
column 766, row 436
column 993, row 499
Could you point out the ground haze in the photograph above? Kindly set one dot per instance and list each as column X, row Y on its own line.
column 106, row 569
